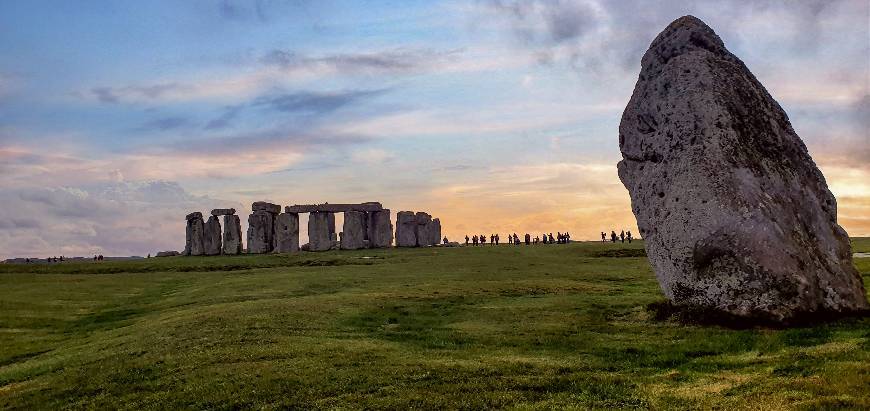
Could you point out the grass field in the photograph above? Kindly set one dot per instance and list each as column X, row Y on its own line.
column 561, row 326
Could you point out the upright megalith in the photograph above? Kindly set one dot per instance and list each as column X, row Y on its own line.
column 211, row 237
column 736, row 216
column 435, row 231
column 319, row 235
column 424, row 229
column 194, row 234
column 379, row 229
column 232, row 235
column 406, row 229
column 261, row 227
column 287, row 233
column 354, row 230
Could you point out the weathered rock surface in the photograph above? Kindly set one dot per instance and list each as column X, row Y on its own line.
column 736, row 216
column 267, row 207
column 435, row 231
column 223, row 211
column 193, row 235
column 232, row 242
column 330, row 218
column 319, row 236
column 287, row 233
column 354, row 230
column 424, row 229
column 261, row 231
column 211, row 236
column 406, row 229
column 380, row 229
column 167, row 253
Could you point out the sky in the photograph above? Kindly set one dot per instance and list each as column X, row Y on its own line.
column 119, row 118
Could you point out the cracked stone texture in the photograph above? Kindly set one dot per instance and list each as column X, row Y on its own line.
column 287, row 233
column 354, row 230
column 736, row 216
column 406, row 229
column 319, row 234
column 211, row 236
column 261, row 232
column 424, row 229
column 232, row 235
column 379, row 229
column 193, row 235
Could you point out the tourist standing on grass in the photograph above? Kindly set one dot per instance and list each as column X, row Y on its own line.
column 474, row 240
column 613, row 236
column 567, row 238
column 628, row 236
column 482, row 239
column 622, row 236
column 496, row 238
column 528, row 238
column 603, row 237
column 550, row 238
column 466, row 240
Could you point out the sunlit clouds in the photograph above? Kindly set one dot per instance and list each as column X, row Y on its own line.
column 497, row 116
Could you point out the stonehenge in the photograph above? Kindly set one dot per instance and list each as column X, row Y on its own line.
column 366, row 225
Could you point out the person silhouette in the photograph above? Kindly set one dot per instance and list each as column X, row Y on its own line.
column 528, row 238
column 474, row 240
column 628, row 236
column 603, row 237
column 466, row 240
column 622, row 236
column 613, row 236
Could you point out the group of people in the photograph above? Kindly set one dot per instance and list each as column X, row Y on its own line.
column 622, row 236
column 514, row 239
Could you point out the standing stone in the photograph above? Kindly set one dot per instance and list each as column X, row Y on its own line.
column 379, row 228
column 319, row 236
column 193, row 234
column 261, row 227
column 424, row 229
column 331, row 221
column 261, row 231
column 211, row 237
column 435, row 231
column 287, row 233
column 735, row 215
column 354, row 231
column 232, row 235
column 406, row 229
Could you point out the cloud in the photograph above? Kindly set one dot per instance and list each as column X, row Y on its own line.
column 597, row 36
column 315, row 102
column 225, row 119
column 395, row 61
column 243, row 10
column 112, row 218
column 165, row 123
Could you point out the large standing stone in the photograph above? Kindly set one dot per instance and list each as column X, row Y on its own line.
column 261, row 230
column 435, row 231
column 319, row 236
column 735, row 214
column 287, row 233
column 232, row 235
column 211, row 237
column 406, row 229
column 354, row 230
column 424, row 229
column 380, row 229
column 330, row 218
column 193, row 235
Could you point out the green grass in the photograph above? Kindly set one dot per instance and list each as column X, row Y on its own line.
column 490, row 327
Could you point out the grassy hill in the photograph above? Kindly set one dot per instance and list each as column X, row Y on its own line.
column 529, row 327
